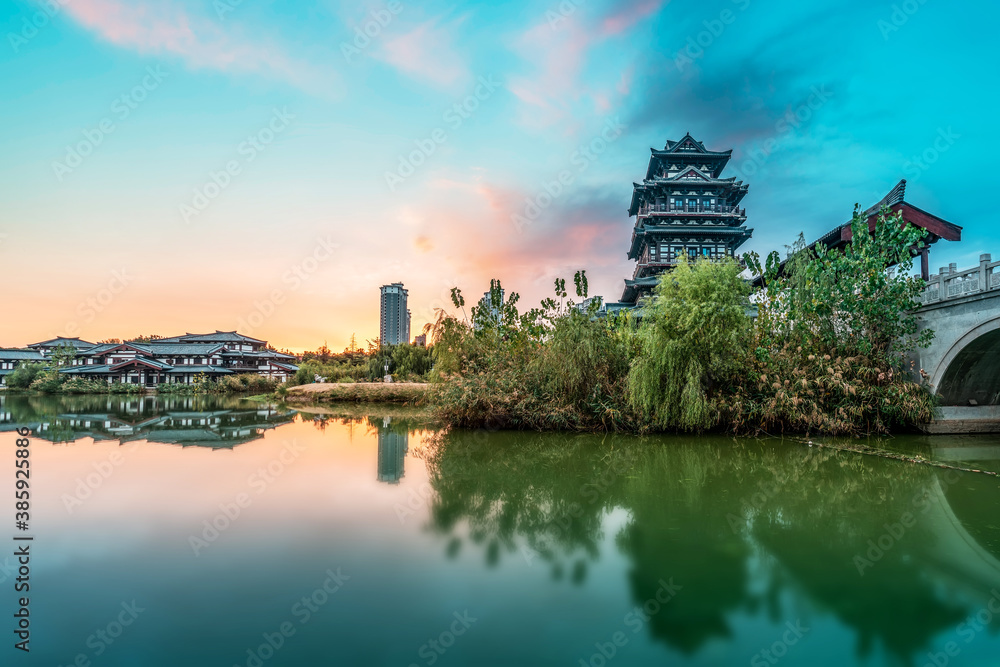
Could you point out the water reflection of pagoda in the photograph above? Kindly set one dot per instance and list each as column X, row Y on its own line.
column 392, row 447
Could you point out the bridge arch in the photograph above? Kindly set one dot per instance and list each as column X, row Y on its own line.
column 970, row 370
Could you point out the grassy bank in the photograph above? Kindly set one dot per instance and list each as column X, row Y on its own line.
column 407, row 393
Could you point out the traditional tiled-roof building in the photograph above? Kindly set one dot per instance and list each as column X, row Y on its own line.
column 178, row 359
column 9, row 359
column 683, row 205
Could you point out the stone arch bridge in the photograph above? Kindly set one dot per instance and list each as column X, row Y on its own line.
column 963, row 362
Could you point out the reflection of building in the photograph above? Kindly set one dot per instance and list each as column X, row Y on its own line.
column 392, row 447
column 186, row 421
column 394, row 321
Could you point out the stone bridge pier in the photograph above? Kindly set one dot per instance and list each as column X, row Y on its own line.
column 963, row 362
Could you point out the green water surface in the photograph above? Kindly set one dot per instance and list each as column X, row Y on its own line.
column 217, row 531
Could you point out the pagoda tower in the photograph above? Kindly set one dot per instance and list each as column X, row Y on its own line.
column 683, row 206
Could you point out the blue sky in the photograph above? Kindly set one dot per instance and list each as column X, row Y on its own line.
column 248, row 163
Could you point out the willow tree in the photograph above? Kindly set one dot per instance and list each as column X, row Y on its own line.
column 693, row 337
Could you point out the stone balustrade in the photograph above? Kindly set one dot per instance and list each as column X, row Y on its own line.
column 950, row 283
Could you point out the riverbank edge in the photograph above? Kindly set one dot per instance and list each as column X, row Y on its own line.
column 405, row 393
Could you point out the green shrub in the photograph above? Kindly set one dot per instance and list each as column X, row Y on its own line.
column 693, row 335
column 25, row 374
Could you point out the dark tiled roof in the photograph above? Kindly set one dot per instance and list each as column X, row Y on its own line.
column 93, row 369
column 217, row 337
column 141, row 360
column 59, row 340
column 20, row 355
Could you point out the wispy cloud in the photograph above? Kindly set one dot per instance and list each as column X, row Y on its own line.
column 427, row 53
column 560, row 52
column 162, row 27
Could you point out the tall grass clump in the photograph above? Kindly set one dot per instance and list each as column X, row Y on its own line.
column 553, row 367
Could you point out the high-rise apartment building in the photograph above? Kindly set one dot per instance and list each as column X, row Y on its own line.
column 394, row 325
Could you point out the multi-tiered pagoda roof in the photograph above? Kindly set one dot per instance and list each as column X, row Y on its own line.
column 683, row 205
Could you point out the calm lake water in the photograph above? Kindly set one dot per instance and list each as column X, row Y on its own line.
column 208, row 531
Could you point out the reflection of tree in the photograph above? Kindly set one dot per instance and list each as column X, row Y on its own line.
column 521, row 497
column 676, row 533
column 818, row 525
column 702, row 512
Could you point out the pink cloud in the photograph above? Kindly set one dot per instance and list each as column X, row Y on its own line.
column 560, row 55
column 426, row 53
column 163, row 27
column 623, row 18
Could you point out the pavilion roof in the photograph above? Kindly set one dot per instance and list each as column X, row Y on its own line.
column 840, row 237
column 60, row 340
column 686, row 144
column 217, row 337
